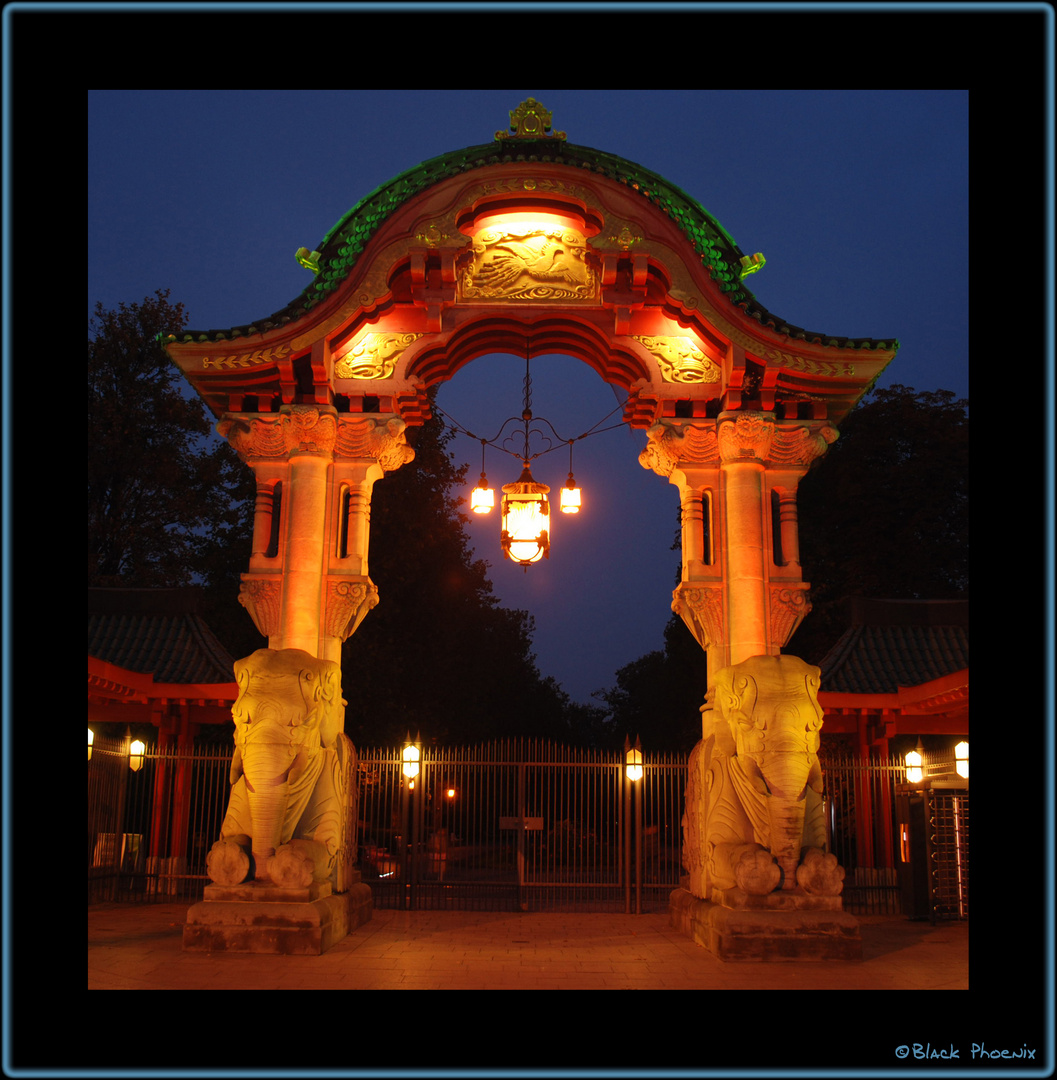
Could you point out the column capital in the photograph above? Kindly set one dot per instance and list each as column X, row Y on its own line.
column 319, row 430
column 701, row 608
column 680, row 444
column 757, row 436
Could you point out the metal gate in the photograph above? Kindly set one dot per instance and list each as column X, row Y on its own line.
column 520, row 825
column 516, row 825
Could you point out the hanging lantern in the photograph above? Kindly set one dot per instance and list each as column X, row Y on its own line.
column 482, row 498
column 570, row 502
column 526, row 520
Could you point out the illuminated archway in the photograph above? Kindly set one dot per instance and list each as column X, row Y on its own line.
column 531, row 245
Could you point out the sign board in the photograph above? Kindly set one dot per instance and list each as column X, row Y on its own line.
column 529, row 824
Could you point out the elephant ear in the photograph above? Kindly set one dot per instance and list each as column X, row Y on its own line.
column 236, row 767
column 331, row 705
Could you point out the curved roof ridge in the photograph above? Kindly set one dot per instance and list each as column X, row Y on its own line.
column 341, row 247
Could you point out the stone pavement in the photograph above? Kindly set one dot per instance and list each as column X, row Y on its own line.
column 138, row 947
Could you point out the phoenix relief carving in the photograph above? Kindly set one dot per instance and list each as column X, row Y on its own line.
column 539, row 264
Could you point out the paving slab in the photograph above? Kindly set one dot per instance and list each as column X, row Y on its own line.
column 139, row 947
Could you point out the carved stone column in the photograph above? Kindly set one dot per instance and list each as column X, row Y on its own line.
column 737, row 596
column 315, row 471
column 744, row 442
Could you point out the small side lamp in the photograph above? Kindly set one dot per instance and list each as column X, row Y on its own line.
column 913, row 759
column 91, row 739
column 961, row 760
column 136, row 751
column 633, row 759
column 411, row 755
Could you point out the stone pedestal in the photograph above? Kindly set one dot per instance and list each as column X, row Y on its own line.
column 262, row 918
column 789, row 925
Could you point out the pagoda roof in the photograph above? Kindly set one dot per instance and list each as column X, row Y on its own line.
column 337, row 253
column 893, row 644
column 156, row 632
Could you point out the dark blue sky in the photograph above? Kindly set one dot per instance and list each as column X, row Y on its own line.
column 857, row 199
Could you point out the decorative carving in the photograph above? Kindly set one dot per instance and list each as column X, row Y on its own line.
column 247, row 359
column 530, row 120
column 385, row 441
column 764, row 827
column 308, row 429
column 540, row 264
column 789, row 607
column 746, row 436
column 626, row 239
column 669, row 445
column 701, row 608
column 253, row 439
column 260, row 596
column 809, row 366
column 681, row 360
column 286, row 816
column 347, row 603
column 375, row 356
column 432, row 236
column 800, row 445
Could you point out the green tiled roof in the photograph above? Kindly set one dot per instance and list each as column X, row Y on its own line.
column 893, row 643
column 342, row 246
column 158, row 632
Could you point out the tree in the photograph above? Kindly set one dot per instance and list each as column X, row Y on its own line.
column 885, row 513
column 659, row 696
column 159, row 490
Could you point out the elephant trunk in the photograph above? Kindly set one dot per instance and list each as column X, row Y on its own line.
column 267, row 768
column 787, row 775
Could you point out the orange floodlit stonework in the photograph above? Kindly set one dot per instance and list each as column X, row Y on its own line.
column 529, row 244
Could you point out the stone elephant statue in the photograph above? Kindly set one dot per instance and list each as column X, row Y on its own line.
column 754, row 801
column 287, row 821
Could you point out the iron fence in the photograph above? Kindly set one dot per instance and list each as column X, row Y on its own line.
column 149, row 830
column 517, row 824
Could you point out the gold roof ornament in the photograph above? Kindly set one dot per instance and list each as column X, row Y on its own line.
column 530, row 120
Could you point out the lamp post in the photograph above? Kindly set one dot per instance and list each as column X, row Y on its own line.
column 633, row 773
column 91, row 739
column 410, row 757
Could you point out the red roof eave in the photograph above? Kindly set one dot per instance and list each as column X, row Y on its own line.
column 107, row 680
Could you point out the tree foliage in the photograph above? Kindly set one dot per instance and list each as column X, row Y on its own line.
column 162, row 494
column 885, row 514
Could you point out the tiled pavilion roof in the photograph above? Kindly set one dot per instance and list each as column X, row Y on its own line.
column 897, row 643
column 157, row 632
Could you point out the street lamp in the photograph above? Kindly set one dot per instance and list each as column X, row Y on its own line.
column 411, row 755
column 961, row 759
column 913, row 760
column 633, row 759
column 136, row 751
column 633, row 801
column 91, row 739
